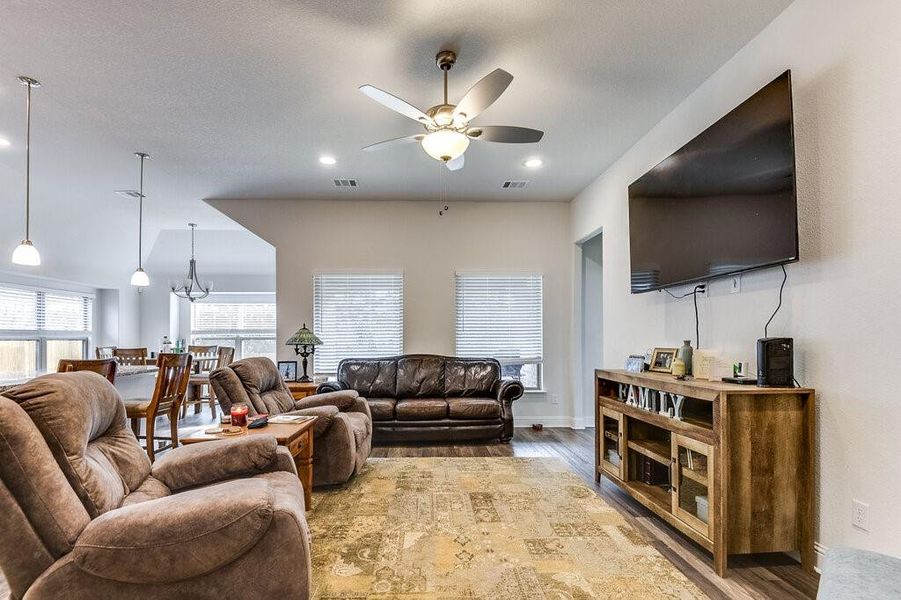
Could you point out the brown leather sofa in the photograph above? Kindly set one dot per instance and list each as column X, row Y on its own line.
column 342, row 435
column 84, row 515
column 431, row 398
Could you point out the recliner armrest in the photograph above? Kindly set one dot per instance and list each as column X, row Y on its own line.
column 344, row 400
column 177, row 537
column 215, row 461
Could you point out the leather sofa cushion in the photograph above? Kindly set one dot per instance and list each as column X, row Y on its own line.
column 420, row 377
column 473, row 408
column 382, row 409
column 471, row 377
column 372, row 378
column 82, row 419
column 421, row 409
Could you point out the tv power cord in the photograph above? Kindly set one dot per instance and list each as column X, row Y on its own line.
column 699, row 289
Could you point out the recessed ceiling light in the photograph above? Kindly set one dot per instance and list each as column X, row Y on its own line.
column 533, row 163
column 4, row 143
column 327, row 160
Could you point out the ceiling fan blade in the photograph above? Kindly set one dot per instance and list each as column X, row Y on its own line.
column 395, row 103
column 483, row 94
column 456, row 164
column 505, row 134
column 394, row 142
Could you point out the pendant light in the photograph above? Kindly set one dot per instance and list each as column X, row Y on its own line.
column 139, row 278
column 191, row 289
column 25, row 253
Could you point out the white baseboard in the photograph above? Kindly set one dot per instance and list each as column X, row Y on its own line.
column 820, row 551
column 555, row 421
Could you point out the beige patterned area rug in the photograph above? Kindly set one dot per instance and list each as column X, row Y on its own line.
column 472, row 528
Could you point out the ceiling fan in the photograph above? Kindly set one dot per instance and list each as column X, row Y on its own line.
column 447, row 126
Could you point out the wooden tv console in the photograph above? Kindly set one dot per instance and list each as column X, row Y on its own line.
column 748, row 450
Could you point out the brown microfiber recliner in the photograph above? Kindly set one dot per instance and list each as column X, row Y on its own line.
column 85, row 516
column 342, row 434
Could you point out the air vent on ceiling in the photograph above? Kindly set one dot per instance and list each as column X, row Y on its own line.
column 515, row 183
column 346, row 183
column 129, row 193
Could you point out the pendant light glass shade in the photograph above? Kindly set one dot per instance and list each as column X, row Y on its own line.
column 25, row 253
column 139, row 278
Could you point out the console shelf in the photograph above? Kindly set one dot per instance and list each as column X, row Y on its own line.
column 740, row 460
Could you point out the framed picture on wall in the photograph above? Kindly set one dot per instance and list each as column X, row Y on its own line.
column 288, row 369
column 662, row 360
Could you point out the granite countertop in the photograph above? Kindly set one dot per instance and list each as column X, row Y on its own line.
column 122, row 371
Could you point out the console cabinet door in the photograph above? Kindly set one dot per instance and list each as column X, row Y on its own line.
column 612, row 443
column 692, row 492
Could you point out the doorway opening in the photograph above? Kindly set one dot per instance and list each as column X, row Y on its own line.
column 592, row 334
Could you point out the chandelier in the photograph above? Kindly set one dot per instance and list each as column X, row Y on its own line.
column 190, row 288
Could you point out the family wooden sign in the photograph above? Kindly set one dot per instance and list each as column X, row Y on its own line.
column 666, row 404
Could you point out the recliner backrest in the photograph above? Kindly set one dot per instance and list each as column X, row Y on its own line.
column 254, row 381
column 42, row 516
column 82, row 420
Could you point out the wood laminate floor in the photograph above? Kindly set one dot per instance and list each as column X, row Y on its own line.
column 760, row 576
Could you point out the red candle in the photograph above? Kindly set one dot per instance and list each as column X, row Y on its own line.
column 239, row 415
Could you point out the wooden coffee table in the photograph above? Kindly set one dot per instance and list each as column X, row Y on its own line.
column 296, row 437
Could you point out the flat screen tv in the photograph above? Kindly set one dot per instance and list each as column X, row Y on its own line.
column 722, row 204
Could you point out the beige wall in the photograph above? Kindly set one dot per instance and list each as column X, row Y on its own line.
column 841, row 300
column 314, row 236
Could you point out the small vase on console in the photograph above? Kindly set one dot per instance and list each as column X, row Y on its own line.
column 685, row 353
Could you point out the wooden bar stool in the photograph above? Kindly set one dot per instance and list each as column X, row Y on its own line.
column 168, row 394
column 201, row 378
column 130, row 356
column 106, row 367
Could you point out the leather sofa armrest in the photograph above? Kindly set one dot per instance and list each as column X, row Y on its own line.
column 344, row 400
column 177, row 537
column 330, row 386
column 212, row 462
column 508, row 390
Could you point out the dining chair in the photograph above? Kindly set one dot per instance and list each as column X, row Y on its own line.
column 168, row 394
column 105, row 366
column 104, row 352
column 203, row 349
column 200, row 379
column 130, row 356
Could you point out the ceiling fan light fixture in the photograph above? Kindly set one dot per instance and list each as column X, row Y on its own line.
column 445, row 144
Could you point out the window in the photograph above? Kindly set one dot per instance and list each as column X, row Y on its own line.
column 39, row 327
column 357, row 315
column 500, row 316
column 247, row 326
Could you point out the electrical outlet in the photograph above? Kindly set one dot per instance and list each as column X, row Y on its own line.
column 736, row 284
column 555, row 399
column 860, row 515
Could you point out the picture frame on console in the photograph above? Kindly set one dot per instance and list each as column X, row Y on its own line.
column 635, row 363
column 662, row 360
column 288, row 369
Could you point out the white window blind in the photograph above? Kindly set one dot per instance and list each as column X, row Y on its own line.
column 500, row 316
column 28, row 310
column 227, row 316
column 357, row 316
column 248, row 327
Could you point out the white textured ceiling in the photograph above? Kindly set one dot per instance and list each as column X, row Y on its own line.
column 239, row 98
